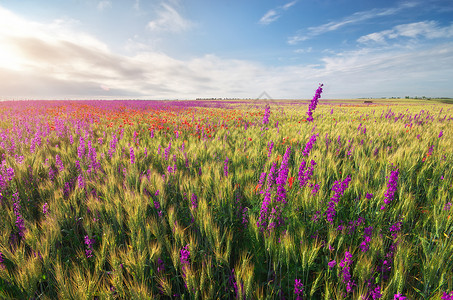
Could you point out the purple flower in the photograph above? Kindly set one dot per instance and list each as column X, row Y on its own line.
column 395, row 228
column 270, row 145
column 391, row 187
column 262, row 179
column 81, row 181
column 20, row 224
column 225, row 168
column 184, row 256
column 81, row 148
column 309, row 145
column 441, row 133
column 447, row 206
column 376, row 293
column 305, row 173
column 89, row 243
column 45, row 209
column 314, row 103
column 368, row 231
column 447, row 296
column 369, row 196
column 267, row 113
column 331, row 264
column 345, row 265
column 132, row 155
column 264, row 212
column 51, row 174
column 167, row 151
column 399, row 297
column 298, row 289
column 339, row 190
column 271, row 177
column 283, row 176
column 194, row 201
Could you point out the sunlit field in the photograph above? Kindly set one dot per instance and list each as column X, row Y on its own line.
column 226, row 199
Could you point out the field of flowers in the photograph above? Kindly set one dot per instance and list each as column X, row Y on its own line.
column 226, row 200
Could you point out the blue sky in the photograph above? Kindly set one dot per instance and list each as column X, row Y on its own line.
column 125, row 49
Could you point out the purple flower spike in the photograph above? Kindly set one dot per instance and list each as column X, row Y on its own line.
column 298, row 289
column 331, row 264
column 267, row 114
column 314, row 103
column 225, row 168
column 391, row 187
column 184, row 258
column 447, row 296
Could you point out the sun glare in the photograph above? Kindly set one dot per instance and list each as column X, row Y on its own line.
column 9, row 60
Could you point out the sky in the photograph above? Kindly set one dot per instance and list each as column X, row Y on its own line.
column 174, row 49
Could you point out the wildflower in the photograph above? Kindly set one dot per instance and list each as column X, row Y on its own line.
column 367, row 239
column 298, row 289
column 376, row 293
column 225, row 168
column 89, row 243
column 339, row 190
column 270, row 145
column 309, row 145
column 81, row 148
column 45, row 209
column 395, row 228
column 167, row 150
column 391, row 187
column 314, row 103
column 81, row 181
column 245, row 216
column 20, row 224
column 267, row 113
column 315, row 189
column 441, row 133
column 185, row 254
column 51, row 174
column 447, row 206
column 331, row 264
column 305, row 173
column 447, row 296
column 264, row 212
column 132, row 155
column 290, row 182
column 262, row 179
column 345, row 264
column 194, row 201
column 160, row 265
column 282, row 176
column 369, row 196
column 399, row 297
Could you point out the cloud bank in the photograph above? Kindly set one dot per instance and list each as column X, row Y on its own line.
column 53, row 61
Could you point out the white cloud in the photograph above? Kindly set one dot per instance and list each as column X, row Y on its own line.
column 425, row 29
column 57, row 61
column 303, row 50
column 104, row 4
column 269, row 17
column 349, row 20
column 169, row 20
column 273, row 15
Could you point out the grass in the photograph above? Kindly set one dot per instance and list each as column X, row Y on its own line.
column 140, row 212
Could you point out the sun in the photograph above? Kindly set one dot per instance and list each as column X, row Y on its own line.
column 9, row 59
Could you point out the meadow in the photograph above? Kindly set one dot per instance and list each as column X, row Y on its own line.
column 226, row 199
